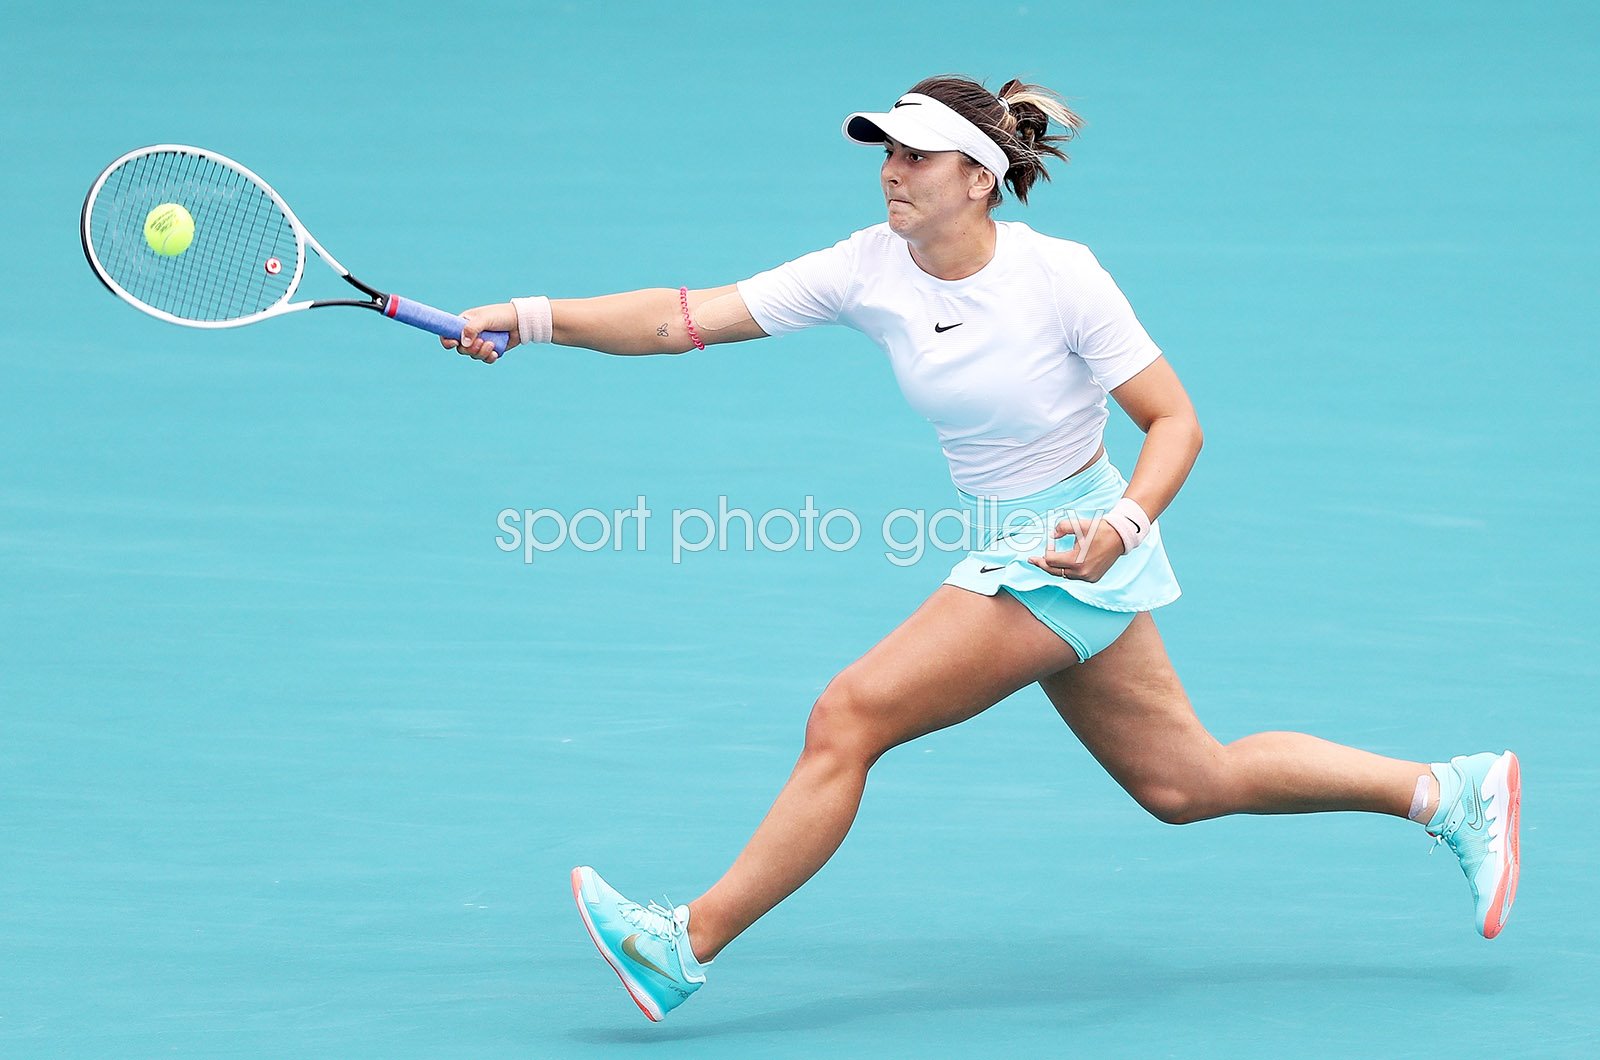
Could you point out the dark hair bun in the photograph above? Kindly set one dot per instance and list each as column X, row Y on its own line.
column 1018, row 118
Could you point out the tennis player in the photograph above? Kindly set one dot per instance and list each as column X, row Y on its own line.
column 1008, row 341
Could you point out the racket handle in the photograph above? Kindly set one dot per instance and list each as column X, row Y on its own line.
column 447, row 325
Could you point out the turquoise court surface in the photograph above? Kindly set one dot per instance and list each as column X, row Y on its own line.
column 295, row 759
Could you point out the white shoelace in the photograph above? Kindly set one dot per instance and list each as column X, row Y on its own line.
column 1493, row 834
column 662, row 923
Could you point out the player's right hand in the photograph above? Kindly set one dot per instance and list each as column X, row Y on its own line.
column 501, row 316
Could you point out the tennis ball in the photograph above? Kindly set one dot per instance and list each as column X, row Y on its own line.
column 169, row 229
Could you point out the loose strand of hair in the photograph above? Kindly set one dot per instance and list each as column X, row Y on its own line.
column 1052, row 106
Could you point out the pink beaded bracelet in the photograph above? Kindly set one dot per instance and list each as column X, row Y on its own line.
column 688, row 321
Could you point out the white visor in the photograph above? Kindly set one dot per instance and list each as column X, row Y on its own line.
column 922, row 123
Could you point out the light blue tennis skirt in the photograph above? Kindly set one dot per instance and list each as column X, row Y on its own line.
column 1087, row 615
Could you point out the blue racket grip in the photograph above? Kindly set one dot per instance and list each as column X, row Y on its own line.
column 447, row 325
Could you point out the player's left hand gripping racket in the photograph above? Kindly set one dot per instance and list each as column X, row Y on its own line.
column 246, row 256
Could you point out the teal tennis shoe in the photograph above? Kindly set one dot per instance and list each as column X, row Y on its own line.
column 647, row 946
column 1479, row 814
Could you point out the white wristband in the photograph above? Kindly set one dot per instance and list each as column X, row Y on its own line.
column 534, row 323
column 1130, row 522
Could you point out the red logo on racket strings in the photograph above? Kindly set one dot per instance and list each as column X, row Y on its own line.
column 273, row 266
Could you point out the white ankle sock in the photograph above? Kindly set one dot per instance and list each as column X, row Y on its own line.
column 686, row 951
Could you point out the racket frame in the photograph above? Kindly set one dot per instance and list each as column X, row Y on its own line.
column 390, row 305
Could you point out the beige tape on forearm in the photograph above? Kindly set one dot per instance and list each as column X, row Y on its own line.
column 723, row 311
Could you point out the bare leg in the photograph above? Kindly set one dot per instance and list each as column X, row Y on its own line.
column 956, row 656
column 1129, row 709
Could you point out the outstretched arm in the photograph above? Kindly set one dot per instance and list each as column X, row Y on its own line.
column 637, row 322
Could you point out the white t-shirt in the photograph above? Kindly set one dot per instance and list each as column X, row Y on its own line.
column 1011, row 365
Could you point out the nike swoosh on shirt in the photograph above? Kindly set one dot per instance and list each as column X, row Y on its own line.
column 940, row 329
column 630, row 946
column 987, row 570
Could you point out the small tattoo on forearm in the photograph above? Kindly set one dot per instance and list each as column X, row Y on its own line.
column 661, row 332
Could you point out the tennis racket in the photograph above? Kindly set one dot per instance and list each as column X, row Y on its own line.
column 246, row 257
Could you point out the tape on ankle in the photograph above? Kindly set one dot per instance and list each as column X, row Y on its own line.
column 1419, row 799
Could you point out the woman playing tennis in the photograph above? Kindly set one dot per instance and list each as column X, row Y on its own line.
column 1008, row 341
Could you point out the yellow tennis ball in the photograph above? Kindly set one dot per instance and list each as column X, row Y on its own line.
column 169, row 229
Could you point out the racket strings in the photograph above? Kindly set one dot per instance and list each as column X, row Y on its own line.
column 244, row 257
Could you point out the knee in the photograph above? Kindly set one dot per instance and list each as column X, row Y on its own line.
column 1171, row 805
column 841, row 725
column 1190, row 788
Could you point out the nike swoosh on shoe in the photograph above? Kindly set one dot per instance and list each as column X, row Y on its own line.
column 630, row 946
